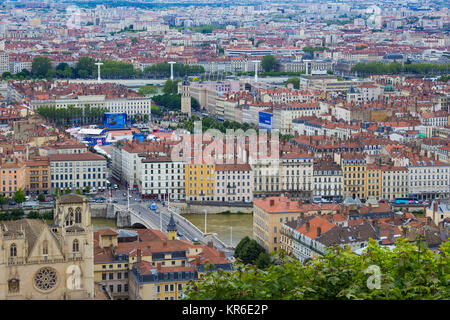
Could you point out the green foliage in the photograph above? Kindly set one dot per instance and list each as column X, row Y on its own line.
column 195, row 105
column 250, row 252
column 48, row 215
column 170, row 87
column 269, row 63
column 6, row 75
column 3, row 200
column 78, row 191
column 19, row 196
column 85, row 67
column 179, row 70
column 170, row 101
column 72, row 115
column 156, row 111
column 339, row 22
column 213, row 123
column 148, row 89
column 206, row 28
column 116, row 70
column 408, row 272
column 41, row 66
column 263, row 261
column 33, row 215
column 444, row 78
column 87, row 189
column 68, row 190
column 312, row 49
column 294, row 81
column 398, row 68
column 63, row 70
column 41, row 197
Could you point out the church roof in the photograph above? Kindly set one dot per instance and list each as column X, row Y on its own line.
column 32, row 228
column 71, row 198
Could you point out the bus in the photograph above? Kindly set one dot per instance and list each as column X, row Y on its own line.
column 153, row 206
column 406, row 200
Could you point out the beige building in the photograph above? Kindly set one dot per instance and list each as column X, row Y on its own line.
column 395, row 182
column 40, row 261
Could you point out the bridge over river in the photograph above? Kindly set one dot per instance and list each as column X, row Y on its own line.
column 140, row 215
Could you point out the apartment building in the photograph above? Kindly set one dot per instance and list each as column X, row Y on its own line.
column 270, row 213
column 363, row 93
column 268, row 216
column 38, row 176
column 126, row 156
column 296, row 174
column 77, row 171
column 395, row 182
column 266, row 172
column 427, row 178
column 374, row 181
column 308, row 237
column 4, row 62
column 284, row 115
column 145, row 264
column 327, row 180
column 354, row 171
column 161, row 178
column 12, row 177
column 199, row 181
column 234, row 183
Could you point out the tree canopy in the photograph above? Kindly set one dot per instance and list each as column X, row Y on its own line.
column 294, row 81
column 407, row 272
column 397, row 68
column 41, row 67
column 269, row 63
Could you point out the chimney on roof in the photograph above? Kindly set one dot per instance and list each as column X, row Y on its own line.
column 272, row 202
column 307, row 226
column 139, row 255
column 300, row 203
column 319, row 231
column 165, row 243
column 158, row 266
column 288, row 203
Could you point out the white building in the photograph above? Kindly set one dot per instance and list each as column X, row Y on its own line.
column 77, row 171
column 428, row 178
column 234, row 183
column 160, row 178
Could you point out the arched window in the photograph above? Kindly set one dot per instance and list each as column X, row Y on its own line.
column 45, row 247
column 69, row 217
column 78, row 215
column 13, row 250
column 75, row 246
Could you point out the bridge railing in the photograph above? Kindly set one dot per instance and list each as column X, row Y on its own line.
column 176, row 214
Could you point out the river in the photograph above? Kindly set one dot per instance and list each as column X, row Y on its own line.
column 242, row 225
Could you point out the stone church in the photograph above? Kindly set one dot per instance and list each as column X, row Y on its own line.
column 41, row 261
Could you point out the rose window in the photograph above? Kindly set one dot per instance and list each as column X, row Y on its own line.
column 45, row 279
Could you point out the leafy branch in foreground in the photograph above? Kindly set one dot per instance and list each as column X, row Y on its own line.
column 409, row 271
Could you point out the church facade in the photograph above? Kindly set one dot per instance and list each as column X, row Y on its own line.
column 40, row 261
